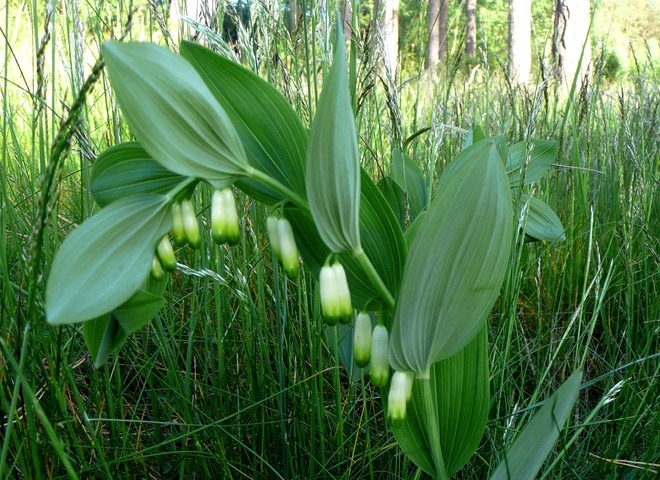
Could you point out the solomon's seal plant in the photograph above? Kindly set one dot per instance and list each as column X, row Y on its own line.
column 427, row 265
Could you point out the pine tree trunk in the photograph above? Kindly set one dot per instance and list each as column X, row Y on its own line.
column 437, row 15
column 293, row 16
column 471, row 28
column 388, row 33
column 572, row 19
column 346, row 11
column 520, row 40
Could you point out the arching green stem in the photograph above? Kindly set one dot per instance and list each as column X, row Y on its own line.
column 373, row 276
column 433, row 430
column 290, row 195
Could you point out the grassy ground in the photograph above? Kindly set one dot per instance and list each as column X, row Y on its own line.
column 236, row 378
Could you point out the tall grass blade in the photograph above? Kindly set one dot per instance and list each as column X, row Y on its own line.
column 531, row 447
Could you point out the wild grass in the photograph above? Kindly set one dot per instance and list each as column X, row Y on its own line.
column 237, row 377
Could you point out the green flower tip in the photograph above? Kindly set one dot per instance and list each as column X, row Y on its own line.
column 288, row 249
column 166, row 254
column 362, row 340
column 224, row 218
column 398, row 398
column 157, row 269
column 284, row 245
column 273, row 236
column 335, row 295
column 380, row 365
column 178, row 232
column 190, row 224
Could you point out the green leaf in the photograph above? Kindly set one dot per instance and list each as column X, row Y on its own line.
column 396, row 198
column 455, row 413
column 127, row 169
column 382, row 241
column 272, row 134
column 531, row 447
column 465, row 156
column 543, row 156
column 138, row 310
column 456, row 262
column 102, row 263
column 476, row 134
column 173, row 113
column 106, row 334
column 333, row 161
column 103, row 336
column 542, row 221
column 410, row 178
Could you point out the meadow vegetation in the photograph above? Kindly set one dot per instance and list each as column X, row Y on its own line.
column 238, row 377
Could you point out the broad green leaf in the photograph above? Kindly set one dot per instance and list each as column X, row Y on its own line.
column 543, row 156
column 333, row 161
column 382, row 241
column 102, row 263
column 396, row 198
column 542, row 221
column 476, row 134
column 456, row 263
column 138, row 310
column 127, row 169
column 410, row 178
column 531, row 447
column 106, row 334
column 103, row 336
column 173, row 113
column 455, row 414
column 272, row 134
column 414, row 227
column 466, row 155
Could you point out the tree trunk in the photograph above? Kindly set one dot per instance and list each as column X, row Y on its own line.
column 520, row 40
column 572, row 18
column 437, row 25
column 471, row 28
column 293, row 16
column 387, row 12
column 346, row 11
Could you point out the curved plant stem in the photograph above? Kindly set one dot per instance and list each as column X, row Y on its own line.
column 375, row 279
column 434, row 431
column 293, row 197
column 172, row 194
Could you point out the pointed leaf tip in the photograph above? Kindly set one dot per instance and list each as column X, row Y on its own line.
column 531, row 447
column 333, row 161
column 173, row 113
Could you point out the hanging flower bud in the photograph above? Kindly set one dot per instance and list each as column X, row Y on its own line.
column 190, row 225
column 346, row 308
column 362, row 340
column 273, row 236
column 166, row 254
column 379, row 371
column 400, row 394
column 288, row 249
column 178, row 233
column 224, row 217
column 329, row 301
column 335, row 295
column 156, row 269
